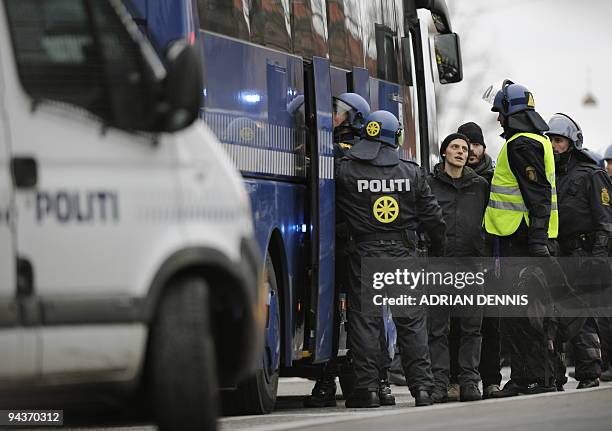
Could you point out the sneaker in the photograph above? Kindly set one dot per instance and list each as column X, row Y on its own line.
column 585, row 384
column 384, row 393
column 511, row 389
column 323, row 394
column 422, row 398
column 538, row 388
column 488, row 390
column 453, row 392
column 362, row 398
column 470, row 392
column 606, row 376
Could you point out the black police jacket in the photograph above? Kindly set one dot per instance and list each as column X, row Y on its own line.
column 526, row 155
column 386, row 199
column 583, row 195
column 463, row 202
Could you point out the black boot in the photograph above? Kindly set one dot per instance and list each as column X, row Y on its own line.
column 323, row 394
column 422, row 398
column 539, row 388
column 470, row 393
column 362, row 398
column 439, row 395
column 588, row 383
column 511, row 389
column 384, row 393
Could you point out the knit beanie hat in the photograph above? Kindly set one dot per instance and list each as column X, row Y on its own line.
column 473, row 132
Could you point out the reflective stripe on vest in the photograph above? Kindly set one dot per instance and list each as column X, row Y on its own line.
column 506, row 209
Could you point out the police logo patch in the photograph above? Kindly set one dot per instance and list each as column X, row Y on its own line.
column 605, row 196
column 373, row 128
column 385, row 209
column 531, row 173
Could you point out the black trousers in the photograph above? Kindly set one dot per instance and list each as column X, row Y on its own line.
column 490, row 351
column 365, row 327
column 530, row 359
column 468, row 352
column 587, row 351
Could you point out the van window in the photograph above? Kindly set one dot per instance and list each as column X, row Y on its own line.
column 56, row 53
column 61, row 58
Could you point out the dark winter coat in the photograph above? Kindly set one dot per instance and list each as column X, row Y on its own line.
column 485, row 168
column 463, row 202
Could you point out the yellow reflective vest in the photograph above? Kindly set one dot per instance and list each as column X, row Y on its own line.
column 507, row 209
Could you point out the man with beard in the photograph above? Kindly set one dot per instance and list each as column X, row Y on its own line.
column 479, row 160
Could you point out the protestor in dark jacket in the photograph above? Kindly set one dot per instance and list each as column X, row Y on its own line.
column 462, row 195
column 479, row 160
column 490, row 353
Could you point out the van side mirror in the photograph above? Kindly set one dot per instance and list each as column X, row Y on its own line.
column 448, row 58
column 183, row 85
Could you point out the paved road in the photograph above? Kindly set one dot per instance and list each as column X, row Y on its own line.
column 573, row 410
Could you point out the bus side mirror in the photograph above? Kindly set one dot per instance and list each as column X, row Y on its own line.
column 183, row 85
column 448, row 58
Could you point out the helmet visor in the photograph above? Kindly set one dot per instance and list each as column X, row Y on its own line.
column 341, row 112
column 490, row 93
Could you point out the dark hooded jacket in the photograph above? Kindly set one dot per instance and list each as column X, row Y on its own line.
column 484, row 168
column 526, row 154
column 463, row 202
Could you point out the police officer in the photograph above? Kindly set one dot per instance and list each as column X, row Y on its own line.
column 522, row 215
column 585, row 221
column 382, row 221
column 349, row 112
column 608, row 159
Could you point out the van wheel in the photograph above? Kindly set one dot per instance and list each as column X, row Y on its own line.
column 184, row 373
column 257, row 395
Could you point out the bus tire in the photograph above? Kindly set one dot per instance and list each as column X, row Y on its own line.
column 184, row 373
column 257, row 394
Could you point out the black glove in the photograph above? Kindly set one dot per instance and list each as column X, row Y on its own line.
column 538, row 250
column 600, row 244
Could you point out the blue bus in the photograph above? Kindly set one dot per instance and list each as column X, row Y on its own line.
column 270, row 71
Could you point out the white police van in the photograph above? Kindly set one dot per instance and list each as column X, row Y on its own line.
column 127, row 253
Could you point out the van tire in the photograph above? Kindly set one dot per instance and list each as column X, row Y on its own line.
column 257, row 394
column 184, row 373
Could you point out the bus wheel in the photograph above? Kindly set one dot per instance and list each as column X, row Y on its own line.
column 257, row 395
column 184, row 373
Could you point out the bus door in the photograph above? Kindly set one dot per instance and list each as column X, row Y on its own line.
column 322, row 201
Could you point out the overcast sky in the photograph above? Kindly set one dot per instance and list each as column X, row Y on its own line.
column 550, row 46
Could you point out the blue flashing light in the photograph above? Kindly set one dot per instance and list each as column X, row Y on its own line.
column 250, row 97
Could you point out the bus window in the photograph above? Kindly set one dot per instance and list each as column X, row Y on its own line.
column 271, row 24
column 386, row 63
column 354, row 33
column 309, row 28
column 336, row 27
column 230, row 18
